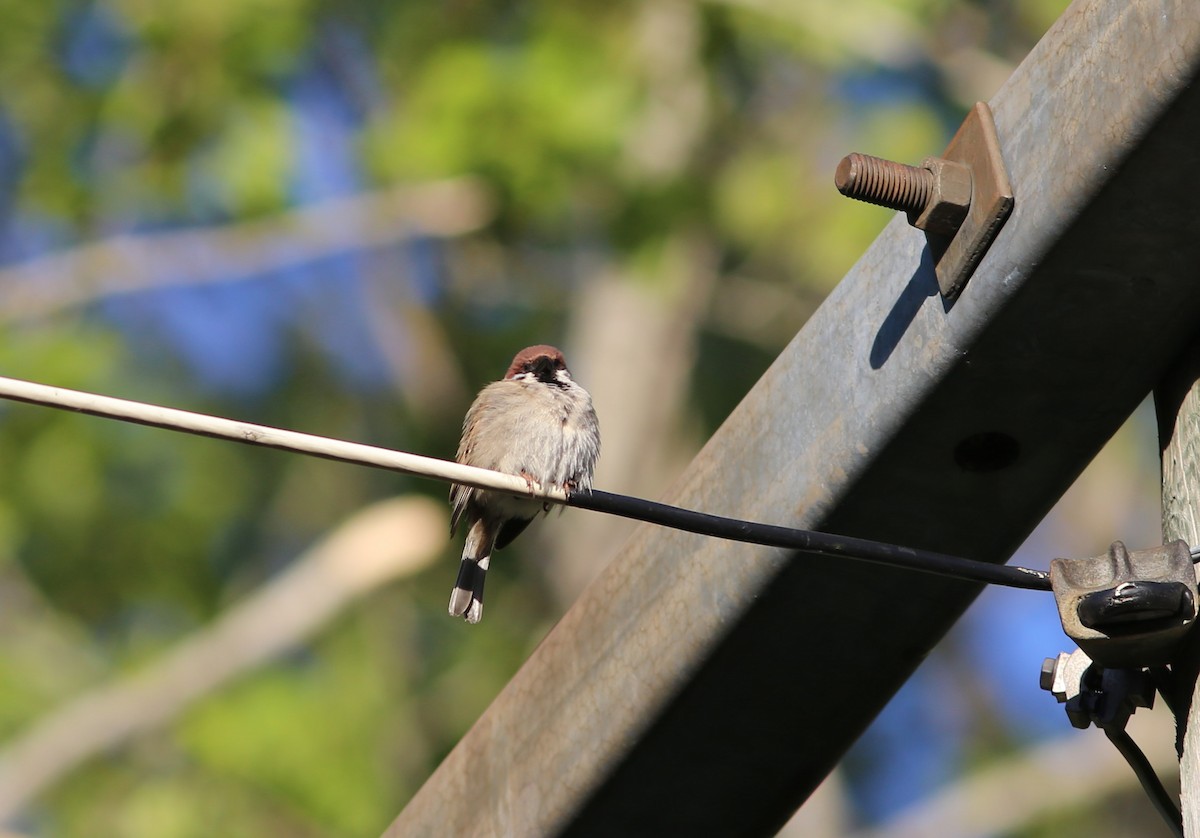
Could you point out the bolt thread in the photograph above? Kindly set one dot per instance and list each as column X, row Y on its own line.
column 884, row 183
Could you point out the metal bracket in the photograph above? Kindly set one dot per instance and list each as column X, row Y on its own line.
column 977, row 147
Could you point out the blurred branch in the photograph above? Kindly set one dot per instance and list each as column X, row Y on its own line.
column 126, row 263
column 390, row 539
column 676, row 115
column 619, row 321
column 626, row 314
column 1013, row 795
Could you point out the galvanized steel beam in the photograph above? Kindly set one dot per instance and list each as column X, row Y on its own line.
column 703, row 687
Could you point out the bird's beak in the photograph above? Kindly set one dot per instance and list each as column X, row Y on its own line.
column 544, row 370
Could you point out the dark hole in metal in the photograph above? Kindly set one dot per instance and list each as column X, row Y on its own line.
column 987, row 451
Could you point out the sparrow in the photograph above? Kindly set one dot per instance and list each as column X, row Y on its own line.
column 537, row 423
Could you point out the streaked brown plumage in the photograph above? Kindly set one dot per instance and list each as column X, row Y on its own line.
column 537, row 423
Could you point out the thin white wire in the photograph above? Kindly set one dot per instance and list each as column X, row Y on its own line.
column 245, row 432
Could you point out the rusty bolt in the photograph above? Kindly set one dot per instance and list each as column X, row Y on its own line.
column 936, row 195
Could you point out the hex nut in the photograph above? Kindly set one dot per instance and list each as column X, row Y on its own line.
column 950, row 199
column 1049, row 669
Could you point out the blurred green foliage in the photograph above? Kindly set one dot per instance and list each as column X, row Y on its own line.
column 603, row 128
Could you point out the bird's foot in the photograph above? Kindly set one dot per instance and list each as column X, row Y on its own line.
column 530, row 483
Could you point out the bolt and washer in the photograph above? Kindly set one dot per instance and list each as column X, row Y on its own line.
column 936, row 195
column 960, row 199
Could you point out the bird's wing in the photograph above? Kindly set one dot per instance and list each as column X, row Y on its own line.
column 460, row 496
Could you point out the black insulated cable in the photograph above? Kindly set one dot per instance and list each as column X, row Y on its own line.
column 809, row 541
column 1153, row 787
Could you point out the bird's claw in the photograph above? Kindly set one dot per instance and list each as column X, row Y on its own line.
column 530, row 483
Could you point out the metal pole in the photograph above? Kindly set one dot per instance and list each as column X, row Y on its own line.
column 1177, row 402
column 699, row 687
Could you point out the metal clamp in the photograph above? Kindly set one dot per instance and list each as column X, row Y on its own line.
column 1127, row 609
column 1096, row 695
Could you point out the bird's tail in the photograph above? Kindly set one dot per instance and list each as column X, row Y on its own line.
column 467, row 598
